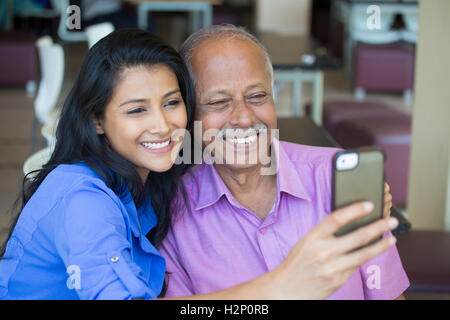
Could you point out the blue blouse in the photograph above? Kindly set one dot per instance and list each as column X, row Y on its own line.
column 76, row 239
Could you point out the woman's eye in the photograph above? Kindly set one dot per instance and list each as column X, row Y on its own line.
column 136, row 111
column 174, row 102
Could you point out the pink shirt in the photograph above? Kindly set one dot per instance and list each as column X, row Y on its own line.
column 219, row 243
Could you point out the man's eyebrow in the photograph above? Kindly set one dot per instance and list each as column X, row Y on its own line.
column 145, row 100
column 213, row 92
column 207, row 96
column 257, row 85
column 253, row 86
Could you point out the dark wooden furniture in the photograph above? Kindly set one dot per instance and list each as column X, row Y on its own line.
column 425, row 254
column 303, row 130
column 426, row 259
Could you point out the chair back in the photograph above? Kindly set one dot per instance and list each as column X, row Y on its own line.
column 51, row 56
column 36, row 161
column 56, row 5
column 97, row 31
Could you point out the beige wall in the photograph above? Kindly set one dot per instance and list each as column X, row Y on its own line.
column 429, row 194
column 290, row 17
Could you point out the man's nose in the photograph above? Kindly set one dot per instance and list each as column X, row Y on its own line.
column 158, row 123
column 242, row 114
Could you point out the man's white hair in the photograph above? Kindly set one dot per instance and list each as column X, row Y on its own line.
column 216, row 32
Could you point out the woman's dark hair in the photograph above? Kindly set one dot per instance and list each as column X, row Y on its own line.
column 77, row 139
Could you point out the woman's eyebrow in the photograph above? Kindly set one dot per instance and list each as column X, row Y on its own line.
column 171, row 92
column 145, row 100
column 133, row 101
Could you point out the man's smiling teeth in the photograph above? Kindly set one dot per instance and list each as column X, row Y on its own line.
column 239, row 132
column 249, row 139
column 242, row 136
column 150, row 145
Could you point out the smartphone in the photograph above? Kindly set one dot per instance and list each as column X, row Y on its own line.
column 358, row 175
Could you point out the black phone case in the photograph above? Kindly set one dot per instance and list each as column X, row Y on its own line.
column 364, row 182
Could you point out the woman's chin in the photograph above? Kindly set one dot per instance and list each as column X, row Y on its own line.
column 161, row 162
column 160, row 167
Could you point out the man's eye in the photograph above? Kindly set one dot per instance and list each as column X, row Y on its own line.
column 218, row 102
column 136, row 111
column 257, row 99
column 260, row 96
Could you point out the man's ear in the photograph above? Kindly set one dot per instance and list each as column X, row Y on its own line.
column 98, row 126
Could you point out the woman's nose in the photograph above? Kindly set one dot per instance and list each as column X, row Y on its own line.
column 159, row 124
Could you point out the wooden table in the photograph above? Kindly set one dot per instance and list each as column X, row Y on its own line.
column 286, row 56
column 200, row 12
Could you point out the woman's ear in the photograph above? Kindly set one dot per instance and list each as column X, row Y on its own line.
column 98, row 126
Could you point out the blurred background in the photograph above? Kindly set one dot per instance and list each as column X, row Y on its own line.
column 348, row 73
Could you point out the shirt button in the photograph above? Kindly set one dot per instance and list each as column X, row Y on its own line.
column 262, row 231
column 114, row 259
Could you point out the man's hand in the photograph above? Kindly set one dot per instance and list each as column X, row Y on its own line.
column 387, row 201
column 321, row 263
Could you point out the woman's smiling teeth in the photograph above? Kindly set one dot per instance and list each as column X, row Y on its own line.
column 150, row 145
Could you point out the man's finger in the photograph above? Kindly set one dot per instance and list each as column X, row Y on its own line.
column 387, row 197
column 353, row 260
column 338, row 218
column 363, row 235
column 387, row 209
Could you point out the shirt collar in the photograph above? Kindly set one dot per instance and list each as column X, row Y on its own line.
column 288, row 178
column 212, row 188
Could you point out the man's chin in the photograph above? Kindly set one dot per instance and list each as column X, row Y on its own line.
column 239, row 160
column 240, row 167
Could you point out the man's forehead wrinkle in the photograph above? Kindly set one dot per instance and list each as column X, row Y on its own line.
column 213, row 60
column 225, row 48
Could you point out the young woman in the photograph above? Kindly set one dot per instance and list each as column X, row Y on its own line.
column 92, row 218
column 88, row 227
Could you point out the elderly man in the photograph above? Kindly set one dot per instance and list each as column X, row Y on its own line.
column 242, row 223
